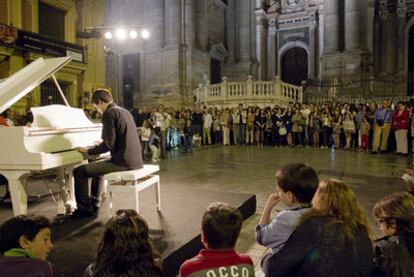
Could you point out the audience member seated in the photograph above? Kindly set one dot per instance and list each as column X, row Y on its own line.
column 296, row 185
column 25, row 242
column 221, row 227
column 125, row 249
column 333, row 239
column 394, row 253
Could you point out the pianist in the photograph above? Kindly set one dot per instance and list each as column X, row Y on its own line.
column 119, row 136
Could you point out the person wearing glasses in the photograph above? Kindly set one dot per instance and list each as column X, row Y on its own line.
column 394, row 253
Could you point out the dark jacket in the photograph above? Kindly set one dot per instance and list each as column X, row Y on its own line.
column 24, row 266
column 120, row 136
column 394, row 256
column 314, row 249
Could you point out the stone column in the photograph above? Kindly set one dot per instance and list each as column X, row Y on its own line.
column 202, row 24
column 230, row 29
column 261, row 37
column 382, row 37
column 157, row 23
column 331, row 26
column 390, row 37
column 172, row 8
column 244, row 31
column 401, row 14
column 272, row 50
column 313, row 37
column 351, row 25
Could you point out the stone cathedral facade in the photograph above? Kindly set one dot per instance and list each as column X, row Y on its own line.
column 360, row 47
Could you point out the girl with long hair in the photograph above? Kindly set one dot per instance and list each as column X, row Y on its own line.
column 394, row 253
column 333, row 239
column 125, row 249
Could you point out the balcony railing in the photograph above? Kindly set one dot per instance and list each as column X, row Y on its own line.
column 249, row 92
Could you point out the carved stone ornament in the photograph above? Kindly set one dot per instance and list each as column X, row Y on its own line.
column 274, row 7
column 292, row 2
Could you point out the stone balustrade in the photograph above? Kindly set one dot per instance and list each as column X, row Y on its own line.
column 249, row 92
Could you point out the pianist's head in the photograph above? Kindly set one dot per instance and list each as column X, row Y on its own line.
column 28, row 234
column 101, row 98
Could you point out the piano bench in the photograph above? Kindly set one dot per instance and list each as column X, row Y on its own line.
column 123, row 187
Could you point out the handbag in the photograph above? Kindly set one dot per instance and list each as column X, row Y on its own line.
column 282, row 131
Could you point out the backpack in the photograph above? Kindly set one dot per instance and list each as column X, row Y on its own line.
column 393, row 258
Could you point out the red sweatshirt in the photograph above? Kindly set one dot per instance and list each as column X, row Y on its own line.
column 218, row 263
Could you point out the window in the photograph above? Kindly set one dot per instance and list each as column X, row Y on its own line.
column 51, row 22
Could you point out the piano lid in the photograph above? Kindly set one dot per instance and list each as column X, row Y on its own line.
column 26, row 79
column 59, row 116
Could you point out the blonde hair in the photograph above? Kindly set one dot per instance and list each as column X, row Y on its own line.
column 339, row 202
column 398, row 206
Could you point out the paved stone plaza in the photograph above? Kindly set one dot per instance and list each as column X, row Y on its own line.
column 250, row 169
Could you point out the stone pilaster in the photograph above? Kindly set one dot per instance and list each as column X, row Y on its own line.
column 189, row 23
column 331, row 18
column 15, row 15
column 352, row 23
column 70, row 26
column 157, row 23
column 202, row 24
column 173, row 10
column 244, row 31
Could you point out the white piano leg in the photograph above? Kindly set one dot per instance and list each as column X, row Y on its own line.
column 70, row 185
column 17, row 191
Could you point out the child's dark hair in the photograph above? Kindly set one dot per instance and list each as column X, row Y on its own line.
column 125, row 248
column 101, row 94
column 221, row 225
column 22, row 225
column 301, row 180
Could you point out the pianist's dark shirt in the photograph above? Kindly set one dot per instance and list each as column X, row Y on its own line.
column 120, row 136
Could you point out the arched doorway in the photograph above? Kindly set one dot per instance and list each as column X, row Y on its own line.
column 410, row 77
column 295, row 66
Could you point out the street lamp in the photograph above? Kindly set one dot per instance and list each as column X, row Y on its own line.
column 115, row 34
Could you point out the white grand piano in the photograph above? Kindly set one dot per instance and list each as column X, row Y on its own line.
column 51, row 140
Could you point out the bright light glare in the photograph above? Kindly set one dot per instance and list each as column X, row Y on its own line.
column 133, row 34
column 108, row 35
column 145, row 34
column 121, row 34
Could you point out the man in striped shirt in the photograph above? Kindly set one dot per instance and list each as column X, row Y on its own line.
column 221, row 227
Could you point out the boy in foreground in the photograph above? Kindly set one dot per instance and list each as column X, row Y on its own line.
column 221, row 227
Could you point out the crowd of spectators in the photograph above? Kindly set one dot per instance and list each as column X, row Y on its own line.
column 370, row 127
column 323, row 231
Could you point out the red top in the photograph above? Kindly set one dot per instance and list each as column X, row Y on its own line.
column 210, row 262
column 3, row 122
column 401, row 121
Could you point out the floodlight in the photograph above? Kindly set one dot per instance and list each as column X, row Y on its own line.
column 145, row 34
column 133, row 34
column 121, row 34
column 108, row 35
